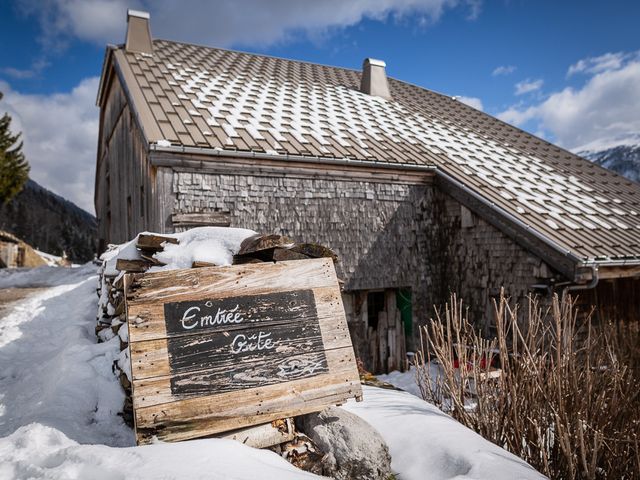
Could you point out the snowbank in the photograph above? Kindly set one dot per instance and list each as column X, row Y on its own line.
column 44, row 276
column 38, row 452
column 427, row 444
column 59, row 402
column 404, row 380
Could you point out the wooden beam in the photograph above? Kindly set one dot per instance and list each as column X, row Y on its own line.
column 210, row 219
column 619, row 272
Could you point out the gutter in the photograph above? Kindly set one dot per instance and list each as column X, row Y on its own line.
column 315, row 160
column 584, row 286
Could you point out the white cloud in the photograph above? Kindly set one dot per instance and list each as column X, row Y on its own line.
column 607, row 106
column 603, row 63
column 60, row 133
column 34, row 70
column 503, row 70
column 255, row 22
column 527, row 86
column 471, row 101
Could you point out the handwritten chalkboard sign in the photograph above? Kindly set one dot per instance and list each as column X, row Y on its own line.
column 221, row 348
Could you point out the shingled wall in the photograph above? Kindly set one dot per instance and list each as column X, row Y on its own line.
column 387, row 235
column 475, row 259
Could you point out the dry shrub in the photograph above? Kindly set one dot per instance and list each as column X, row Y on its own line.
column 563, row 394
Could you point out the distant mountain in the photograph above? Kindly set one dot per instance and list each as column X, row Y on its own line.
column 624, row 159
column 621, row 154
column 50, row 223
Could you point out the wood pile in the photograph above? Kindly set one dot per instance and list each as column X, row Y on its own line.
column 111, row 318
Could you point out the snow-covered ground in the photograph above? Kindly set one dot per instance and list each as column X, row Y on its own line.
column 59, row 402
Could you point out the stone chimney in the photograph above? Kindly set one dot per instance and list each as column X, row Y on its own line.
column 374, row 78
column 138, row 32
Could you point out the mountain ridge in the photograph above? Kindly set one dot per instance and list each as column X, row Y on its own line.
column 50, row 223
column 623, row 159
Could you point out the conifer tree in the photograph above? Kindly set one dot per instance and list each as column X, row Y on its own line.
column 14, row 169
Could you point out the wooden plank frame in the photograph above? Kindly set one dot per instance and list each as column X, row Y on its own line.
column 192, row 377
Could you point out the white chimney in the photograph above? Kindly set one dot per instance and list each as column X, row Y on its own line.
column 374, row 78
column 138, row 32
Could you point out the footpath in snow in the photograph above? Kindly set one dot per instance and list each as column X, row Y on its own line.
column 59, row 404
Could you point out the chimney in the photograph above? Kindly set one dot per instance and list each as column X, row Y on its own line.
column 138, row 32
column 374, row 78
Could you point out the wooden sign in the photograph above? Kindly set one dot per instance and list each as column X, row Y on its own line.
column 221, row 348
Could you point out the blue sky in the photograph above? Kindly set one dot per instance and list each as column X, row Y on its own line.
column 565, row 70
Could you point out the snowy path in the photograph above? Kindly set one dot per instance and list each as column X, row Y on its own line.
column 57, row 391
column 59, row 403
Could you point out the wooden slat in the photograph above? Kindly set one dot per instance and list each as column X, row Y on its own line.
column 229, row 411
column 150, row 357
column 152, row 241
column 215, row 219
column 157, row 390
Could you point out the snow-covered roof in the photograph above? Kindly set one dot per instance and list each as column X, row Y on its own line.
column 220, row 100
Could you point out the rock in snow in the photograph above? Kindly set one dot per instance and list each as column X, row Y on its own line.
column 354, row 449
column 59, row 404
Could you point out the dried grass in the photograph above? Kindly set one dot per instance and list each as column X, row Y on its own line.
column 565, row 395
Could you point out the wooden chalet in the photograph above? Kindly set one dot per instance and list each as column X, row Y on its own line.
column 418, row 194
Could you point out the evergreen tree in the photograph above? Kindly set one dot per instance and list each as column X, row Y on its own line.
column 14, row 169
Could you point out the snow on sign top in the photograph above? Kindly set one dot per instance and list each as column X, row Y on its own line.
column 223, row 100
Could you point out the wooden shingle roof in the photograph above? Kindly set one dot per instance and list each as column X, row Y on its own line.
column 221, row 100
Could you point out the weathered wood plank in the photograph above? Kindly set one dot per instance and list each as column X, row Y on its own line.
column 144, row 292
column 150, row 357
column 211, row 219
column 230, row 411
column 199, row 264
column 197, row 316
column 265, row 435
column 258, row 243
column 314, row 250
column 157, row 390
column 154, row 242
column 132, row 266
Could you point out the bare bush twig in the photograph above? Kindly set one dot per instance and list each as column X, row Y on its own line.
column 557, row 390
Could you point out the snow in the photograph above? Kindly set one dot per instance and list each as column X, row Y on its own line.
column 51, row 260
column 36, row 451
column 60, row 400
column 427, row 444
column 44, row 276
column 403, row 380
column 215, row 245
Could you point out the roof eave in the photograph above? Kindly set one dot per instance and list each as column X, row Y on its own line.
column 106, row 62
column 218, row 152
